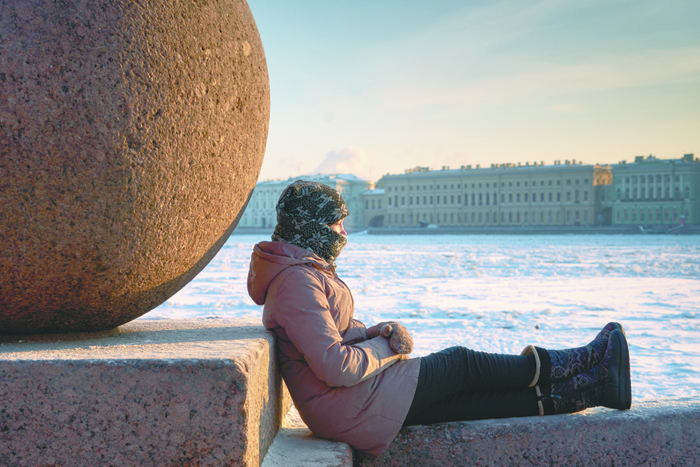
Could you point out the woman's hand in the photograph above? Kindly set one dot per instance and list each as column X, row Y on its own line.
column 400, row 339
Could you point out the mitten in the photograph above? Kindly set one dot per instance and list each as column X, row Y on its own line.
column 400, row 340
column 382, row 329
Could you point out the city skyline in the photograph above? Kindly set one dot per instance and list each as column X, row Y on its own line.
column 380, row 87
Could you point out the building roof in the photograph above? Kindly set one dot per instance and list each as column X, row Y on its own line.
column 315, row 177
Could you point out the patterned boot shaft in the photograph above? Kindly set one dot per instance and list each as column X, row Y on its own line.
column 584, row 390
column 571, row 362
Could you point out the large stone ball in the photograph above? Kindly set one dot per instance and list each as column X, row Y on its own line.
column 131, row 136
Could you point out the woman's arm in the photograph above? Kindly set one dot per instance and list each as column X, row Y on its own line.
column 355, row 333
column 302, row 310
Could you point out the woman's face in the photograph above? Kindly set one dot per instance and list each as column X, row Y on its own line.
column 338, row 227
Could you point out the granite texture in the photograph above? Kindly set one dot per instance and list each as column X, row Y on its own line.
column 131, row 136
column 166, row 393
column 295, row 445
column 653, row 433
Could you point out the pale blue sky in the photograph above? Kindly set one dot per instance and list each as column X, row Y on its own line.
column 375, row 87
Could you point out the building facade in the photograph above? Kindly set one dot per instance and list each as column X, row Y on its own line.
column 261, row 213
column 654, row 191
column 504, row 194
column 373, row 204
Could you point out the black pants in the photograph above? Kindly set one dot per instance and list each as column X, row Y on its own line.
column 458, row 384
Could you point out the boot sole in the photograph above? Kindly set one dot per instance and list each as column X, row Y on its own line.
column 619, row 395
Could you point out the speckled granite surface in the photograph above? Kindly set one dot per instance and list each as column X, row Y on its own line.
column 166, row 393
column 131, row 135
column 653, row 433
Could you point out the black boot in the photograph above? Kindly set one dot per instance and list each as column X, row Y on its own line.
column 558, row 365
column 607, row 385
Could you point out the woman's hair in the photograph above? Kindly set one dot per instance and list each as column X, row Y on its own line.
column 305, row 211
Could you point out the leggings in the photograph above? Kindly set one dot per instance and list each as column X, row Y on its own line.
column 459, row 384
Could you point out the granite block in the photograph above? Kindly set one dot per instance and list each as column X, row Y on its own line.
column 162, row 392
column 653, row 433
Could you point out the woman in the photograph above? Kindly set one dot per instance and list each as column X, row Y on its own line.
column 357, row 385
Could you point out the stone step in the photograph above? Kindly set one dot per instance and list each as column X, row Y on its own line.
column 295, row 445
column 154, row 392
column 653, row 433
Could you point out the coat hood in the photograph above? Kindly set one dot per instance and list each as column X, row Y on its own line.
column 271, row 258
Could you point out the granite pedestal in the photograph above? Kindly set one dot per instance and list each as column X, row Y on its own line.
column 162, row 392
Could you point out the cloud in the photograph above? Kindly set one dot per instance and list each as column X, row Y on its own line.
column 347, row 160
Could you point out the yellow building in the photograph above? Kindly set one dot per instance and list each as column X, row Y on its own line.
column 504, row 194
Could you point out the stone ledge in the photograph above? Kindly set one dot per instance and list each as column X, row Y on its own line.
column 295, row 445
column 653, row 433
column 162, row 392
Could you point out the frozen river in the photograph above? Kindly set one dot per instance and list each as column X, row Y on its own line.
column 500, row 293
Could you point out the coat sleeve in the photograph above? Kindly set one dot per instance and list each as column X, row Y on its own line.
column 356, row 332
column 303, row 312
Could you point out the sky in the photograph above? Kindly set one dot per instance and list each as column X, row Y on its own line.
column 380, row 86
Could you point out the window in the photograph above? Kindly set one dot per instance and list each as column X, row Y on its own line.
column 550, row 196
column 495, row 200
column 410, row 200
column 445, row 199
column 403, row 201
column 510, row 197
column 366, row 204
column 568, row 196
column 517, row 199
column 389, row 200
column 525, row 197
column 487, row 199
column 585, row 195
column 559, row 197
column 452, row 199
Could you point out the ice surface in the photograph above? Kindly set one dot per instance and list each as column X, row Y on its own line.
column 500, row 293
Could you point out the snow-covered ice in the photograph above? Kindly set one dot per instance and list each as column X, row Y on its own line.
column 499, row 293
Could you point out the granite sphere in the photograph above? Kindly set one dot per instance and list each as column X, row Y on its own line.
column 131, row 136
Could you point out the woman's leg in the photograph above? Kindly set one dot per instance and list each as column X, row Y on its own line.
column 457, row 369
column 478, row 404
column 441, row 395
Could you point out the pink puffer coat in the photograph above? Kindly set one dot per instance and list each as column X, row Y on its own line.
column 345, row 387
